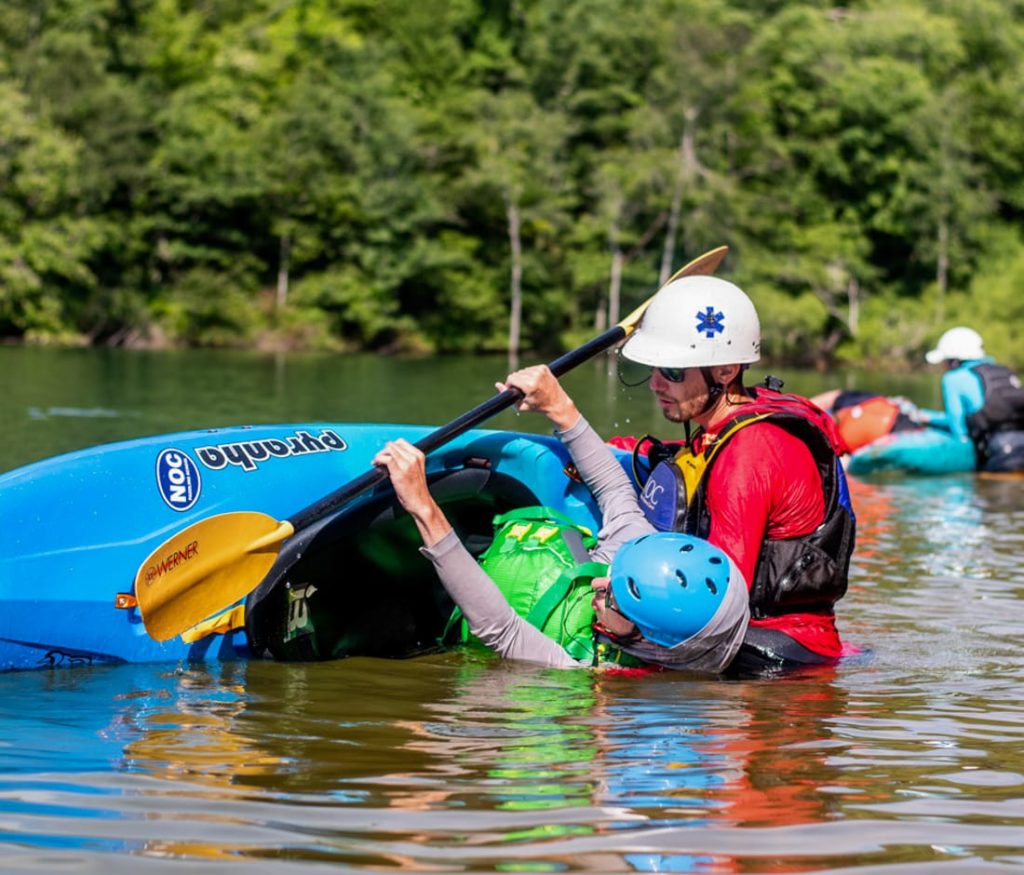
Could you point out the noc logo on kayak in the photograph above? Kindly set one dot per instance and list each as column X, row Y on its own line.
column 178, row 479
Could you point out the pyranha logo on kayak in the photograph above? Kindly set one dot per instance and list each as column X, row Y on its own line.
column 248, row 454
column 177, row 478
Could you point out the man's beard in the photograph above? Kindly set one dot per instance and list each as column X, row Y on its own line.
column 684, row 413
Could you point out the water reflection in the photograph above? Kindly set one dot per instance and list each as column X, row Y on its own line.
column 517, row 751
column 189, row 730
column 457, row 760
column 521, row 758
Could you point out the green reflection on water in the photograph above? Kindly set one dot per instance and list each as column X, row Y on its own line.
column 56, row 400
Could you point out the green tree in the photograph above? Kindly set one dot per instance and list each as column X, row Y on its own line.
column 45, row 244
column 518, row 168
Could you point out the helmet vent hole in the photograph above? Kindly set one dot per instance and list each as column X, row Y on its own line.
column 686, row 548
column 712, row 588
column 715, row 560
column 681, row 578
column 634, row 590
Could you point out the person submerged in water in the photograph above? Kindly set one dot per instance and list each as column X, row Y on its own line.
column 670, row 600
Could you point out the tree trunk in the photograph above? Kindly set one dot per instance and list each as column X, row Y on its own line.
column 615, row 281
column 282, row 272
column 516, row 284
column 684, row 175
column 853, row 300
column 942, row 269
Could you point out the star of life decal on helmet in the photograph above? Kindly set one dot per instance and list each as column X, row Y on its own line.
column 710, row 322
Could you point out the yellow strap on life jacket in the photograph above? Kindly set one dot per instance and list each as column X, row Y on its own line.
column 219, row 624
column 692, row 467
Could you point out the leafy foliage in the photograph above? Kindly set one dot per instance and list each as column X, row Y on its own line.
column 351, row 175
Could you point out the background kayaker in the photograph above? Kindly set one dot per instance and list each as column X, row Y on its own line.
column 644, row 609
column 983, row 401
column 759, row 477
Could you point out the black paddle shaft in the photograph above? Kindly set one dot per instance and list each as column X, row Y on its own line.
column 438, row 438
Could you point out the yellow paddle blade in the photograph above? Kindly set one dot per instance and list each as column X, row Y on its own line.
column 220, row 624
column 702, row 265
column 211, row 564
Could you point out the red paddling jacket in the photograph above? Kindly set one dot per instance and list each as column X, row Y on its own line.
column 805, row 574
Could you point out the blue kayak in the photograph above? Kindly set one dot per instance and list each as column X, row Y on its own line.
column 922, row 451
column 78, row 526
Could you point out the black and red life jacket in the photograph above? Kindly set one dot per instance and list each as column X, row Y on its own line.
column 793, row 575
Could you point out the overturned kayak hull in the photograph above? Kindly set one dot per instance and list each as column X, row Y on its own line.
column 924, row 451
column 77, row 527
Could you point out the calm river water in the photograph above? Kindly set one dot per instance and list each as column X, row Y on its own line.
column 907, row 758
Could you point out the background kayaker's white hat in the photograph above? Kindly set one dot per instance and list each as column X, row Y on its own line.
column 960, row 343
column 697, row 321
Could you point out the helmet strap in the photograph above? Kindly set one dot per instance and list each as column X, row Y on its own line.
column 715, row 390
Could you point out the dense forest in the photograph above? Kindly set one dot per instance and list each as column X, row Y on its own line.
column 471, row 175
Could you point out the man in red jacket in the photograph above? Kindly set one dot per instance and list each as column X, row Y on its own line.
column 759, row 474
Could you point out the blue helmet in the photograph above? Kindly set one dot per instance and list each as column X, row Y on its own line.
column 670, row 585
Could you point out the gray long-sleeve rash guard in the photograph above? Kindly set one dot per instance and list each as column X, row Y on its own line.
column 489, row 615
column 493, row 621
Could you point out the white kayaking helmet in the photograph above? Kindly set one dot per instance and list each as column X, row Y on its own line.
column 697, row 321
column 960, row 343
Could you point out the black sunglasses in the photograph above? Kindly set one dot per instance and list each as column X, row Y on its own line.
column 633, row 374
column 611, row 604
column 609, row 600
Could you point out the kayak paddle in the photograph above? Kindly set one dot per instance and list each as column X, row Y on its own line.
column 213, row 563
